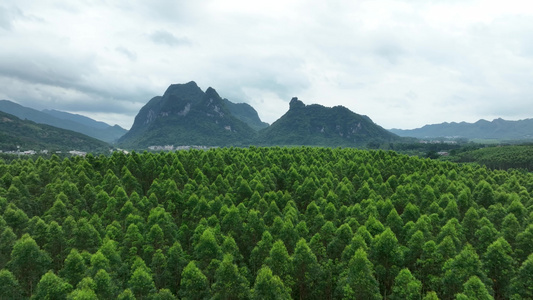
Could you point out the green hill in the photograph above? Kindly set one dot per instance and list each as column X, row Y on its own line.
column 323, row 126
column 32, row 136
column 185, row 115
column 59, row 119
column 246, row 113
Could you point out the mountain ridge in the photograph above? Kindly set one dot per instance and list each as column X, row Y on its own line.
column 64, row 120
column 498, row 129
column 318, row 125
column 185, row 115
column 29, row 135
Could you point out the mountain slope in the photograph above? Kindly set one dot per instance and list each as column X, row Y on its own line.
column 32, row 136
column 96, row 129
column 81, row 124
column 76, row 118
column 482, row 129
column 323, row 126
column 246, row 113
column 185, row 115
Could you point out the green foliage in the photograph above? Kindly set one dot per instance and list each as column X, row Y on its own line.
column 501, row 157
column 301, row 223
column 9, row 286
column 268, row 286
column 193, row 283
column 358, row 281
column 28, row 263
column 52, row 287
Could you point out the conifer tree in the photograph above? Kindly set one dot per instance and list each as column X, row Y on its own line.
column 52, row 287
column 28, row 274
column 9, row 286
column 268, row 286
column 229, row 283
column 193, row 284
column 358, row 282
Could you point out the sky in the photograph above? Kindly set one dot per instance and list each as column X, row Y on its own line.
column 403, row 63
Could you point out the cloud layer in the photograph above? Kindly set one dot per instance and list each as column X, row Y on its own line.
column 402, row 63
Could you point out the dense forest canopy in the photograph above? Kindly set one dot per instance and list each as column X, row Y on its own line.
column 263, row 223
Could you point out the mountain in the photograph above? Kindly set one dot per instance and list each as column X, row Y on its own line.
column 32, row 136
column 185, row 115
column 96, row 129
column 323, row 126
column 76, row 118
column 246, row 113
column 497, row 129
column 78, row 123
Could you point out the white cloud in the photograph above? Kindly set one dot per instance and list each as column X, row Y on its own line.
column 402, row 63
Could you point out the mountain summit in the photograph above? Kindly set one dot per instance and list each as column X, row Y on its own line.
column 323, row 126
column 185, row 115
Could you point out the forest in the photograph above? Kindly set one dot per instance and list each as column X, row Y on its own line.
column 263, row 223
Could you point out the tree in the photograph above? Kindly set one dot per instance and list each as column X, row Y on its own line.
column 268, row 286
column 229, row 283
column 127, row 294
column 74, row 269
column 306, row 272
column 52, row 287
column 177, row 260
column 358, row 282
column 475, row 289
column 523, row 282
column 26, row 250
column 141, row 283
column 499, row 266
column 164, row 294
column 385, row 253
column 159, row 269
column 193, row 283
column 104, row 286
column 9, row 286
column 7, row 240
column 207, row 248
column 280, row 262
column 406, row 286
column 459, row 269
column 510, row 228
column 483, row 194
column 260, row 252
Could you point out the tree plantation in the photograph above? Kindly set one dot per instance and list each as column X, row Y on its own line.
column 263, row 223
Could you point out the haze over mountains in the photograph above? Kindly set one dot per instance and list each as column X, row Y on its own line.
column 498, row 129
column 185, row 115
column 64, row 120
column 17, row 134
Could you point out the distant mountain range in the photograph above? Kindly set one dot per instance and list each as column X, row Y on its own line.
column 64, row 120
column 498, row 129
column 29, row 135
column 185, row 115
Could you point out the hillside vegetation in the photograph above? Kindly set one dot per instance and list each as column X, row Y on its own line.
column 32, row 136
column 64, row 120
column 263, row 223
column 500, row 157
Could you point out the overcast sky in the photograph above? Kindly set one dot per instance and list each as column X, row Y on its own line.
column 402, row 63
